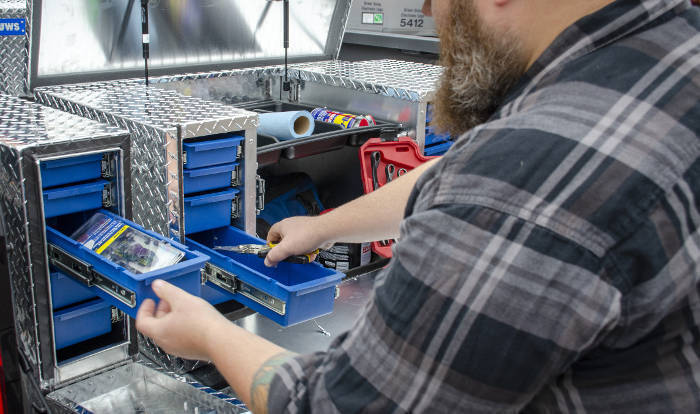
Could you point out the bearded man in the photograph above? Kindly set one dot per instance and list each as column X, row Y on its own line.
column 547, row 263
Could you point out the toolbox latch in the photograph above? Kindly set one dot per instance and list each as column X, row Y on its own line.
column 235, row 208
column 84, row 273
column 109, row 165
column 259, row 194
column 236, row 178
column 108, row 196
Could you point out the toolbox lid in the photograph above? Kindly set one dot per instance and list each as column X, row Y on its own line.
column 84, row 40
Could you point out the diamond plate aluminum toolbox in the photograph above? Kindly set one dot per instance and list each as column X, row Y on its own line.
column 83, row 335
column 160, row 121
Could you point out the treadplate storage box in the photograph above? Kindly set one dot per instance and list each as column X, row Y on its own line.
column 81, row 322
column 288, row 294
column 71, row 170
column 118, row 286
column 59, row 201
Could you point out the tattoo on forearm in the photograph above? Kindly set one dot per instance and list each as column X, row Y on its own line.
column 261, row 381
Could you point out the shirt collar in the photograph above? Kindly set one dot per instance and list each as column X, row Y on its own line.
column 596, row 30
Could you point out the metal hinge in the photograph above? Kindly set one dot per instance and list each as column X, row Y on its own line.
column 109, row 165
column 236, row 176
column 235, row 208
column 184, row 157
column 117, row 315
column 259, row 194
column 107, row 196
column 84, row 273
column 232, row 284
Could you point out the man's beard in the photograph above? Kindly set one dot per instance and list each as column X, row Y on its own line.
column 480, row 67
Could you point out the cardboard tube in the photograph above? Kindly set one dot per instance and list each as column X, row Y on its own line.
column 286, row 125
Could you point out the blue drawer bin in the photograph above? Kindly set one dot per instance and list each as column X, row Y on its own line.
column 120, row 287
column 71, row 170
column 211, row 152
column 438, row 149
column 82, row 322
column 288, row 294
column 209, row 211
column 208, row 178
column 72, row 199
column 66, row 291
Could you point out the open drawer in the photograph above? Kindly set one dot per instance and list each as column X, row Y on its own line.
column 115, row 284
column 289, row 293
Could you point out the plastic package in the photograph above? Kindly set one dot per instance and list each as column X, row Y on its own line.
column 126, row 246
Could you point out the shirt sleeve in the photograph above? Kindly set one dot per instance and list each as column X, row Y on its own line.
column 477, row 311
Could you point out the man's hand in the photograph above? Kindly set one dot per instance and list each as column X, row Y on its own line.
column 181, row 324
column 295, row 235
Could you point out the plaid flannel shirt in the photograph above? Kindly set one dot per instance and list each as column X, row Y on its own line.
column 549, row 261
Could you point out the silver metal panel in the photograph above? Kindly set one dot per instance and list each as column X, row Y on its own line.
column 29, row 132
column 80, row 37
column 409, row 81
column 134, row 387
column 15, row 50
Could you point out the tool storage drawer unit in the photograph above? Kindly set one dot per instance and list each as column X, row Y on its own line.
column 72, row 305
column 224, row 205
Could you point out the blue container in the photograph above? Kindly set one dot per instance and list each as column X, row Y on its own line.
column 82, row 322
column 207, row 178
column 211, row 152
column 66, row 291
column 306, row 290
column 433, row 137
column 186, row 274
column 72, row 199
column 208, row 211
column 438, row 149
column 71, row 170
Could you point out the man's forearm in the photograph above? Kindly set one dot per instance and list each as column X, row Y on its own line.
column 247, row 362
column 374, row 216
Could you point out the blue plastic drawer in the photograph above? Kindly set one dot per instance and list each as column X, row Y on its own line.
column 289, row 293
column 82, row 322
column 433, row 137
column 438, row 149
column 209, row 211
column 67, row 291
column 208, row 178
column 211, row 152
column 71, row 170
column 122, row 288
column 72, row 199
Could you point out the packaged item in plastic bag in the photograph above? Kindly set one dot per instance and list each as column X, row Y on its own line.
column 126, row 246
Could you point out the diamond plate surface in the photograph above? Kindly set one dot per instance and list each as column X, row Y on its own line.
column 143, row 387
column 27, row 128
column 14, row 50
column 411, row 81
